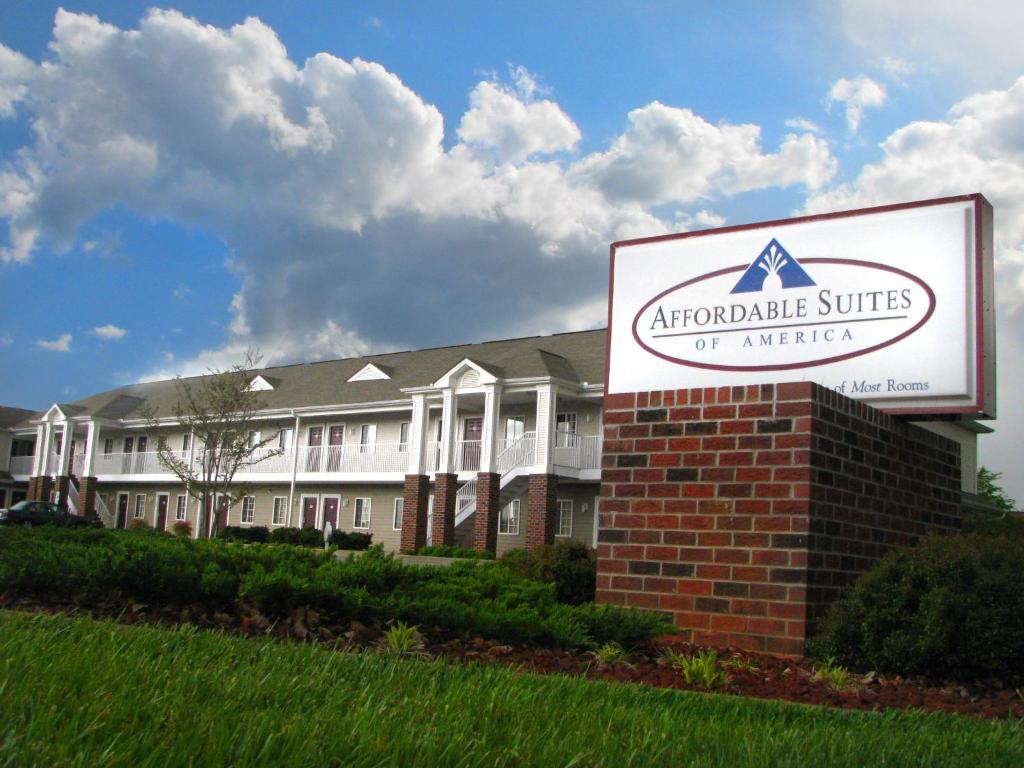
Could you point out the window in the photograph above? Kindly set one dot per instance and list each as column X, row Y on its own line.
column 255, row 438
column 508, row 520
column 565, row 430
column 515, row 427
column 108, row 446
column 399, row 511
column 367, row 437
column 284, row 439
column 564, row 518
column 403, row 436
column 186, row 442
column 181, row 508
column 280, row 510
column 361, row 519
column 248, row 510
column 129, row 444
column 140, row 505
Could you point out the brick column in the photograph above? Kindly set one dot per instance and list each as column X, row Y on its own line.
column 442, row 532
column 745, row 511
column 541, row 508
column 87, row 496
column 416, row 498
column 485, row 524
column 63, row 486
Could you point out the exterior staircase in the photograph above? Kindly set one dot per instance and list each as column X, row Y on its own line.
column 513, row 464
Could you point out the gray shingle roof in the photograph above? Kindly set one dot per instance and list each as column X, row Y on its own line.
column 577, row 357
column 10, row 417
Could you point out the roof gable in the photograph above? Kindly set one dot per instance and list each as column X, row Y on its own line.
column 370, row 372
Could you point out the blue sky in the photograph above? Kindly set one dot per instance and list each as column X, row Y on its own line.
column 324, row 179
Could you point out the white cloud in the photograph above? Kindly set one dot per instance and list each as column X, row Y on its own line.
column 803, row 124
column 351, row 224
column 108, row 332
column 979, row 41
column 897, row 69
column 6, row 339
column 61, row 344
column 978, row 147
column 857, row 94
column 181, row 292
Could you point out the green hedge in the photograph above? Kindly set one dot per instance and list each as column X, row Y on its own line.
column 102, row 567
column 569, row 565
column 448, row 550
column 951, row 608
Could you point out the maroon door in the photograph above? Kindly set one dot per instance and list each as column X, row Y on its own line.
column 471, row 434
column 309, row 506
column 140, row 448
column 331, row 512
column 122, row 510
column 161, row 513
column 315, row 441
column 71, row 461
column 126, row 458
column 335, row 439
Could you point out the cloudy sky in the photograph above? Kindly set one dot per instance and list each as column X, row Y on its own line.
column 179, row 184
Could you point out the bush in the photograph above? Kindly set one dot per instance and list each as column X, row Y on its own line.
column 951, row 608
column 448, row 550
column 570, row 565
column 105, row 568
column 356, row 541
column 182, row 529
column 138, row 524
column 301, row 537
column 258, row 533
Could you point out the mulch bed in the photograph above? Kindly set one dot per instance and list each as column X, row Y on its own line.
column 769, row 677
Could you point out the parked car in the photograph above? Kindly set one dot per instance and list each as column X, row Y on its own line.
column 30, row 513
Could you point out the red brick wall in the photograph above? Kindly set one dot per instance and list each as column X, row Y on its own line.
column 443, row 529
column 541, row 510
column 744, row 511
column 87, row 497
column 415, row 499
column 485, row 519
column 63, row 483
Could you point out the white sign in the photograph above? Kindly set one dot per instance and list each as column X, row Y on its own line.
column 892, row 305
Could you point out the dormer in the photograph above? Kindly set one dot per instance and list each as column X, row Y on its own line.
column 370, row 372
column 467, row 374
column 260, row 384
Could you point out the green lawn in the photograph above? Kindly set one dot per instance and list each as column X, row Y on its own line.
column 89, row 693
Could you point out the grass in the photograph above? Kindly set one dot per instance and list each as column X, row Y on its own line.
column 78, row 692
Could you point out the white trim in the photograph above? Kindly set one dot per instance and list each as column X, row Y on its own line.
column 448, row 380
column 302, row 509
column 515, row 508
column 127, row 507
column 136, row 507
column 399, row 500
column 156, row 511
column 241, row 512
column 177, row 498
column 259, row 384
column 368, row 372
column 284, row 511
column 561, row 516
column 323, row 510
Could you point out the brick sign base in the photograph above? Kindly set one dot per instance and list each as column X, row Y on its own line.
column 743, row 512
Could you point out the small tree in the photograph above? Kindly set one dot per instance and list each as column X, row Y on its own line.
column 990, row 491
column 219, row 410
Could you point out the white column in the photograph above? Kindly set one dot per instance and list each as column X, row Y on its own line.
column 489, row 433
column 65, row 449
column 295, row 467
column 42, row 452
column 449, row 418
column 547, row 397
column 92, row 438
column 418, row 435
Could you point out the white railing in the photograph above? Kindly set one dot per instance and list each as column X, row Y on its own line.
column 74, row 500
column 433, row 456
column 522, row 451
column 21, row 465
column 465, row 498
column 378, row 457
column 264, row 460
column 578, row 451
column 144, row 463
column 77, row 464
column 467, row 455
column 104, row 512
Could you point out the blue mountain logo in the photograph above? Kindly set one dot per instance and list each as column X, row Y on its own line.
column 774, row 262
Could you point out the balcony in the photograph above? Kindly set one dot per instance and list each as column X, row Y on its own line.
column 578, row 451
column 21, row 465
column 371, row 458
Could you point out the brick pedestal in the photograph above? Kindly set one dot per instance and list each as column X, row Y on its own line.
column 541, row 510
column 87, row 496
column 442, row 531
column 416, row 498
column 745, row 511
column 485, row 520
column 39, row 488
column 63, row 484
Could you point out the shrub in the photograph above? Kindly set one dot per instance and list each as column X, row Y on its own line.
column 949, row 608
column 138, row 524
column 346, row 540
column 302, row 537
column 448, row 550
column 570, row 565
column 258, row 533
column 182, row 528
